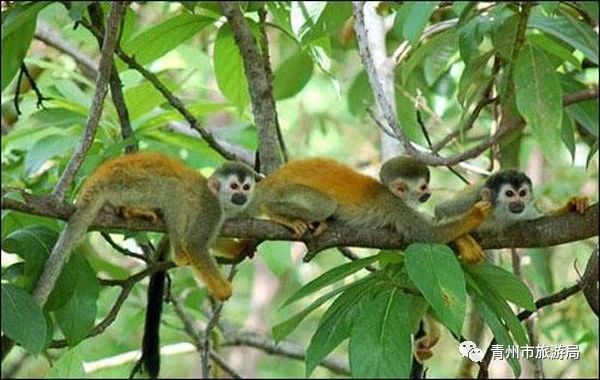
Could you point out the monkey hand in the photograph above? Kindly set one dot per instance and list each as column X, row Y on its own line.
column 424, row 345
column 577, row 204
column 481, row 210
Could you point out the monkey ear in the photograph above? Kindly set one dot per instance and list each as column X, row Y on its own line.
column 214, row 185
column 398, row 187
column 486, row 194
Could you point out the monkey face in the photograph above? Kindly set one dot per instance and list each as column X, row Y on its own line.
column 412, row 190
column 512, row 199
column 233, row 183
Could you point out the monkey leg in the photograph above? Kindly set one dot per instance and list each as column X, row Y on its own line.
column 574, row 204
column 130, row 212
column 468, row 249
column 299, row 208
column 423, row 345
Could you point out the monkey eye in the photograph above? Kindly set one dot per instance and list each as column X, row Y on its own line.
column 509, row 193
column 523, row 193
column 246, row 187
column 423, row 187
column 234, row 186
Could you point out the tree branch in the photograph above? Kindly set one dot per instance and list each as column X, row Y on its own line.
column 104, row 69
column 261, row 89
column 542, row 232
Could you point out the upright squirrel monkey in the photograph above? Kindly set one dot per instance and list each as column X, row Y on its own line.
column 143, row 184
column 308, row 191
column 511, row 193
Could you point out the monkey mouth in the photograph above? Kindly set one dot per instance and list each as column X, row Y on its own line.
column 238, row 199
column 423, row 198
column 516, row 207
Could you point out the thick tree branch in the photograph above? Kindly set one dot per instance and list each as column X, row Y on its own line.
column 261, row 90
column 91, row 124
column 543, row 232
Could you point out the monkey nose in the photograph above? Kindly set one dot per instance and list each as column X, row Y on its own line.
column 516, row 207
column 423, row 198
column 238, row 199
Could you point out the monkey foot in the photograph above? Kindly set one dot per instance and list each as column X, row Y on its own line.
column 298, row 226
column 128, row 212
column 317, row 228
column 578, row 204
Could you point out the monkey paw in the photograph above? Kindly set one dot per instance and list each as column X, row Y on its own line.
column 482, row 209
column 299, row 227
column 423, row 347
column 578, row 204
column 472, row 256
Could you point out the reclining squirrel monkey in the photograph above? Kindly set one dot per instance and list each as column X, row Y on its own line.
column 307, row 191
column 511, row 193
column 192, row 207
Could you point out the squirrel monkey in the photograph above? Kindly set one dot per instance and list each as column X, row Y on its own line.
column 192, row 206
column 511, row 193
column 308, row 191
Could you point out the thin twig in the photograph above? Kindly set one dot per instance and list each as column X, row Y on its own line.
column 122, row 250
column 210, row 325
column 104, row 68
column 353, row 256
column 51, row 37
column 116, row 86
column 260, row 88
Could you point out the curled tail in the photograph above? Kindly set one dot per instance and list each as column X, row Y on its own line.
column 69, row 238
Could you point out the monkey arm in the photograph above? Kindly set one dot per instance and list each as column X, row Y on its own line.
column 574, row 204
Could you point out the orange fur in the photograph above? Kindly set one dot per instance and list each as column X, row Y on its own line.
column 339, row 181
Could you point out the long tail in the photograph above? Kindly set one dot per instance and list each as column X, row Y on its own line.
column 150, row 359
column 69, row 238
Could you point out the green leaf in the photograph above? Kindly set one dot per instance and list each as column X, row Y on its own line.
column 144, row 97
column 229, row 68
column 549, row 6
column 585, row 112
column 473, row 79
column 22, row 319
column 539, row 98
column 33, row 244
column 158, row 40
column 507, row 284
column 574, row 32
column 417, row 18
column 336, row 324
column 554, row 47
column 199, row 109
column 304, row 16
column 277, row 256
column 439, row 62
column 418, row 55
column 292, row 75
column 286, row 327
column 472, row 33
column 77, row 10
column 567, row 134
column 591, row 8
column 359, row 94
column 380, row 340
column 504, row 38
column 593, row 151
column 330, row 277
column 47, row 148
column 68, row 366
column 436, row 272
column 76, row 317
column 500, row 332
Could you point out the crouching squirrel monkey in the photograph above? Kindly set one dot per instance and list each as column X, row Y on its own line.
column 511, row 193
column 304, row 192
column 142, row 184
